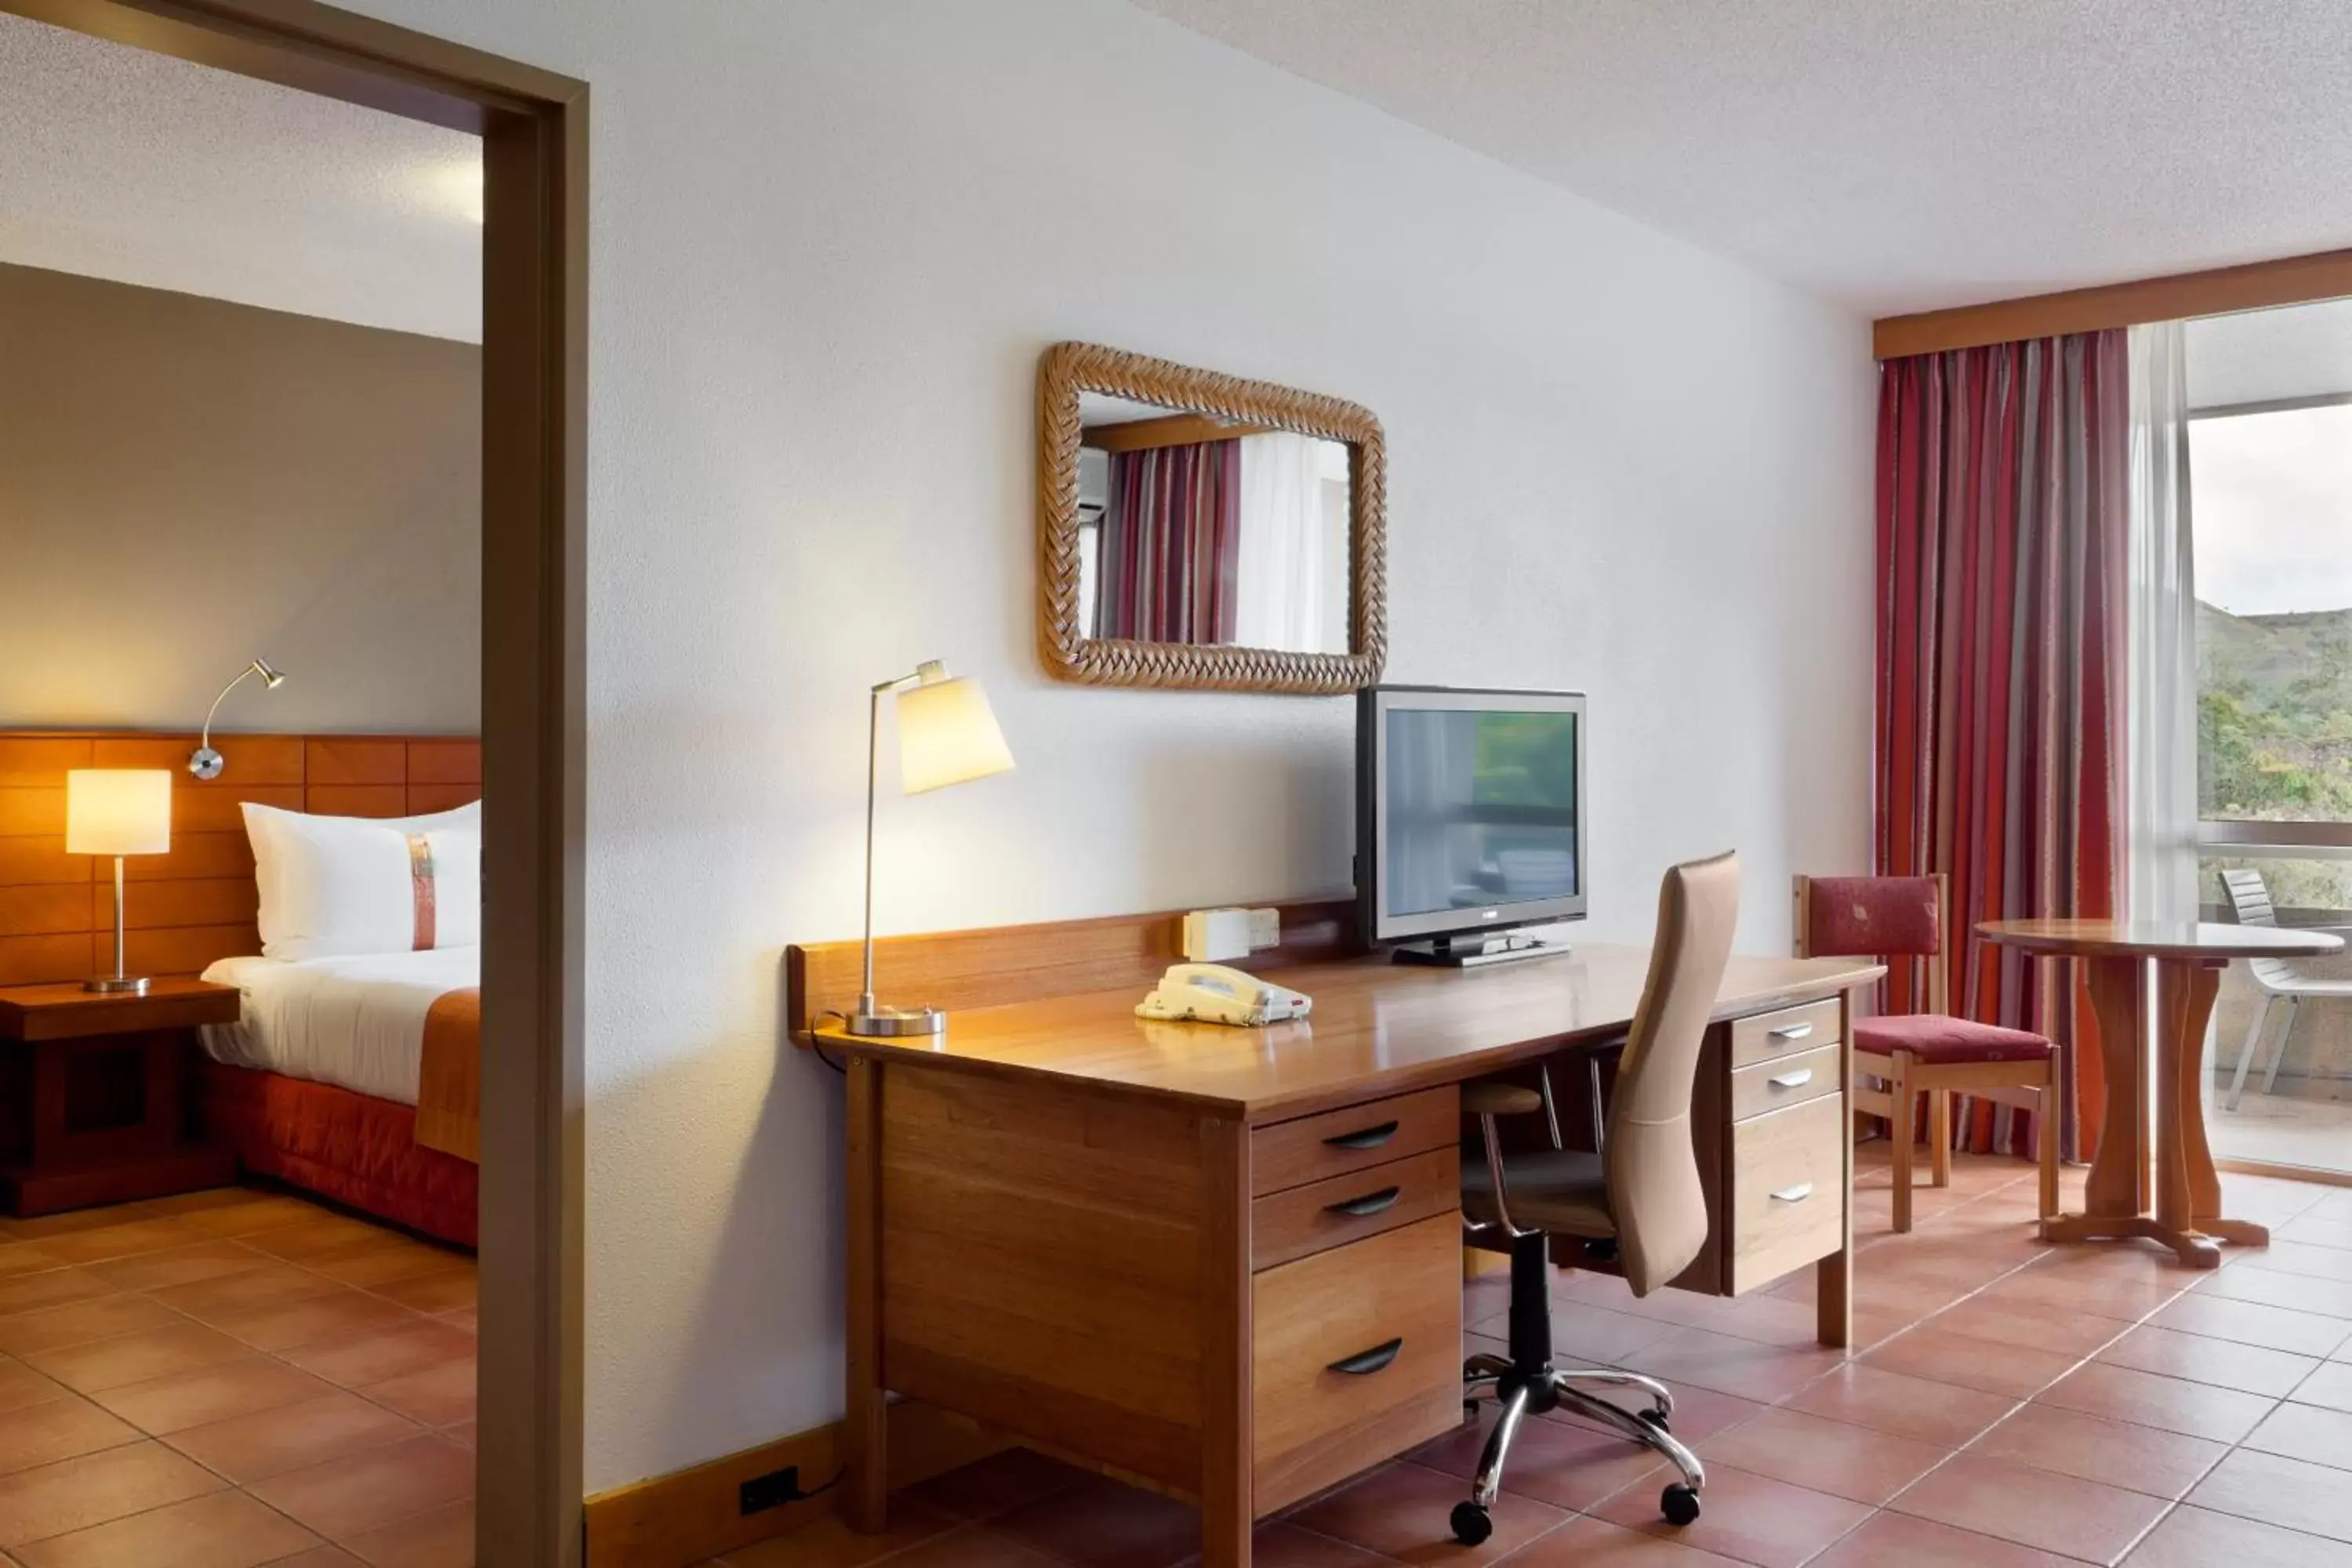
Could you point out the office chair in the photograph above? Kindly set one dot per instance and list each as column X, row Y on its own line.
column 1638, row 1203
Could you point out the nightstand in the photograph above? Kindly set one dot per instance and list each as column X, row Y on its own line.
column 95, row 1101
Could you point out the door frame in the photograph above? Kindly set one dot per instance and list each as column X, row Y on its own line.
column 534, row 130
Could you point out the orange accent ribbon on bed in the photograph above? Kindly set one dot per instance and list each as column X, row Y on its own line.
column 449, row 1083
column 420, row 888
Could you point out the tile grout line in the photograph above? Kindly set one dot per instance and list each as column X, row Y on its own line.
column 416, row 1428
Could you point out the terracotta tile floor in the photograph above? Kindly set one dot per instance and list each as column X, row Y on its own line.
column 232, row 1379
column 2010, row 1404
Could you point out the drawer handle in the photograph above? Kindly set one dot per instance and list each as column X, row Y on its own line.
column 1363, row 1363
column 1367, row 1138
column 1792, row 1031
column 1797, row 1079
column 1368, row 1204
column 1795, row 1194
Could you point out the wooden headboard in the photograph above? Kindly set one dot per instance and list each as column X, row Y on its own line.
column 195, row 904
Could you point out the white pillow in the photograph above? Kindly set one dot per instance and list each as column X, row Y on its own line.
column 338, row 885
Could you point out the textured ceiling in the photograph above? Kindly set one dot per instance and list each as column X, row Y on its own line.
column 1892, row 155
column 119, row 164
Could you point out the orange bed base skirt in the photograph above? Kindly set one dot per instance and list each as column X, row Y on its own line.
column 353, row 1148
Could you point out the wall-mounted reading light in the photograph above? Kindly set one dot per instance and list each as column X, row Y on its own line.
column 205, row 762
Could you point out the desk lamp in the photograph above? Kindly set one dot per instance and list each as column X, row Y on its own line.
column 947, row 735
column 118, row 812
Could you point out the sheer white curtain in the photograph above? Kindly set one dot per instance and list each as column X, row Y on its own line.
column 2160, row 619
column 1278, row 599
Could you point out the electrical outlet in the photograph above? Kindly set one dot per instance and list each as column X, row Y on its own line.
column 1264, row 928
column 774, row 1490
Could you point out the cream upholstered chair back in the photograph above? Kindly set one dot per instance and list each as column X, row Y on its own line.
column 1652, row 1167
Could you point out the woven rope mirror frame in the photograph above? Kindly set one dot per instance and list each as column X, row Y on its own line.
column 1067, row 370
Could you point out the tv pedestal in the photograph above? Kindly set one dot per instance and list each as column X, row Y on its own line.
column 1479, row 949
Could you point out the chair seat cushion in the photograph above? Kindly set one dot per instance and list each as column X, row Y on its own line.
column 1938, row 1037
column 1562, row 1192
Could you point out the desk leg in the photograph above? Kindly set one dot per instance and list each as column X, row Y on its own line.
column 865, row 1460
column 1227, row 1504
column 1833, row 1275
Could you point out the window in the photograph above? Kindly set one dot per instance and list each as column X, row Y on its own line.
column 2271, row 507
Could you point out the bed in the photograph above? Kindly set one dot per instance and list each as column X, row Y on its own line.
column 356, row 1077
column 386, row 1119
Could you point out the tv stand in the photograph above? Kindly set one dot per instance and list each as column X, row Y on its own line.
column 1479, row 948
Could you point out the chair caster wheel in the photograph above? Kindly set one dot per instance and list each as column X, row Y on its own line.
column 1679, row 1504
column 1657, row 1418
column 1472, row 1524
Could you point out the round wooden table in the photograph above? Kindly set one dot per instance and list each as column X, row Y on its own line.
column 2189, row 959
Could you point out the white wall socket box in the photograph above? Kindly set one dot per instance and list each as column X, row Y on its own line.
column 1211, row 936
column 1264, row 928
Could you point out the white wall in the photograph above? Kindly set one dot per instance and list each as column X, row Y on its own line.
column 829, row 241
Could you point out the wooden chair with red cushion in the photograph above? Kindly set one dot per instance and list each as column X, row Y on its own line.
column 1931, row 1053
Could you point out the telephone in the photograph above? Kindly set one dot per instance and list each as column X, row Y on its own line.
column 1212, row 994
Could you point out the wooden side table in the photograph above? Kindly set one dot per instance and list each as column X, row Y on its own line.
column 94, row 1101
column 2189, row 958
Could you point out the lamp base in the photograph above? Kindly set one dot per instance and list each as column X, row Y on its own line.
column 880, row 1022
column 117, row 984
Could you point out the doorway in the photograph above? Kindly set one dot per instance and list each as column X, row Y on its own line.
column 533, row 126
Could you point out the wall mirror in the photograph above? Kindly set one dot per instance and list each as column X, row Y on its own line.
column 1196, row 529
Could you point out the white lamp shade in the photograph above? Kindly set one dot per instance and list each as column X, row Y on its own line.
column 118, row 811
column 947, row 735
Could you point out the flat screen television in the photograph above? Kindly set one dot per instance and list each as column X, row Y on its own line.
column 1469, row 818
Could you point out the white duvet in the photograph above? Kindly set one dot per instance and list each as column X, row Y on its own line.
column 357, row 1022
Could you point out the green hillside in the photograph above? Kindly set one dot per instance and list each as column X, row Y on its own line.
column 2274, row 715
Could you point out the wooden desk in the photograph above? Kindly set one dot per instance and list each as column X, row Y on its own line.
column 2189, row 958
column 1225, row 1263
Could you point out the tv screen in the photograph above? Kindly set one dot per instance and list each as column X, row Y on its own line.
column 1473, row 809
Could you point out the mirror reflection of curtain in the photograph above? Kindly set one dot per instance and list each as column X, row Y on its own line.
column 1167, row 562
column 1283, row 558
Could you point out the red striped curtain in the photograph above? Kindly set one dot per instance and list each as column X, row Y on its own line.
column 1171, row 536
column 2002, row 529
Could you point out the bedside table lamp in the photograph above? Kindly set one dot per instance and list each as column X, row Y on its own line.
column 947, row 735
column 118, row 812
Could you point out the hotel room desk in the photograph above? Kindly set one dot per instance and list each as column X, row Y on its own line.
column 1226, row 1263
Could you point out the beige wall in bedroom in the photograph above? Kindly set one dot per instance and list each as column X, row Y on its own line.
column 185, row 483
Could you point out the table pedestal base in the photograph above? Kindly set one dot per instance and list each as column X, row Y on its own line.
column 2163, row 1189
column 2193, row 1247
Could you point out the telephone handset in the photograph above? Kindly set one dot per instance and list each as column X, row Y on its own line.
column 1212, row 994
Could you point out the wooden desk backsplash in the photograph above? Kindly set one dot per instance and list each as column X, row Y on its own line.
column 1001, row 964
column 195, row 904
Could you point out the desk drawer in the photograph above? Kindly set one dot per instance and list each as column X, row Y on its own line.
column 1341, row 1142
column 1356, row 1355
column 1788, row 1191
column 1771, row 1036
column 1773, row 1085
column 1339, row 1210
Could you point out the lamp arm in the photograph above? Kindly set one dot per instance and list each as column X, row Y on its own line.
column 880, row 689
column 872, row 767
column 232, row 685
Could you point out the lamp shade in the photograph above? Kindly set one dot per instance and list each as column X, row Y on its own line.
column 947, row 735
column 118, row 811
